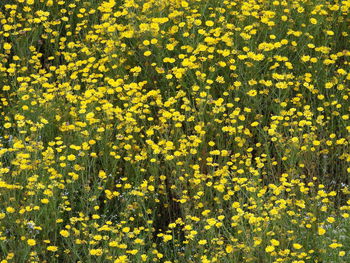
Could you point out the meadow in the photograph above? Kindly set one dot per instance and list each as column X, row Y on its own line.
column 174, row 131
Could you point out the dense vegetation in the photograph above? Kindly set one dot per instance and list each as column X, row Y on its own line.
column 174, row 131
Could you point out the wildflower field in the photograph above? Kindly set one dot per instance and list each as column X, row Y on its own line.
column 175, row 131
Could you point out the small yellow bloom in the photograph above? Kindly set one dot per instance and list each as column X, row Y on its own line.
column 209, row 23
column 10, row 210
column 342, row 253
column 166, row 238
column 184, row 4
column 229, row 249
column 7, row 125
column 64, row 233
column 252, row 93
column 335, row 245
column 52, row 248
column 202, row 242
column 330, row 219
column 316, row 143
column 102, row 174
column 126, row 229
column 269, row 249
column 297, row 246
column 71, row 157
column 44, row 201
column 313, row 21
column 7, row 46
column 96, row 252
column 147, row 53
column 31, row 242
column 275, row 242
column 321, row 231
column 121, row 259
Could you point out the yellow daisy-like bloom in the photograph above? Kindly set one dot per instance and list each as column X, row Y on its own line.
column 52, row 248
column 31, row 242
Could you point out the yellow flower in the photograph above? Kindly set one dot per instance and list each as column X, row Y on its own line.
column 7, row 125
column 7, row 46
column 64, row 233
column 126, row 229
column 96, row 252
column 275, row 242
column 269, row 249
column 330, row 219
column 102, row 174
column 209, row 23
column 229, row 249
column 316, row 142
column 10, row 210
column 321, row 231
column 113, row 244
column 297, row 246
column 121, row 259
column 313, row 21
column 31, row 242
column 71, row 157
column 252, row 93
column 184, row 4
column 52, row 248
column 147, row 53
column 166, row 238
column 144, row 257
column 335, row 245
column 202, row 242
column 45, row 201
column 342, row 253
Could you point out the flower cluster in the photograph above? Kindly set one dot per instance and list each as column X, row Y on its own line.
column 174, row 131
